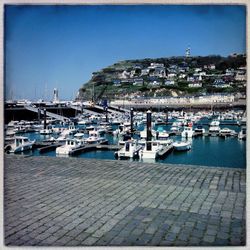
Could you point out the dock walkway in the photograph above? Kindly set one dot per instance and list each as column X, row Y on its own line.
column 50, row 201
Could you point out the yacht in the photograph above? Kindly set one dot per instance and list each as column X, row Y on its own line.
column 19, row 144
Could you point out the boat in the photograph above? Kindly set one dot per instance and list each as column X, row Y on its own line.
column 199, row 129
column 226, row 132
column 182, row 145
column 94, row 137
column 161, row 134
column 46, row 131
column 242, row 134
column 130, row 149
column 187, row 132
column 143, row 134
column 70, row 146
column 154, row 149
column 20, row 144
column 214, row 127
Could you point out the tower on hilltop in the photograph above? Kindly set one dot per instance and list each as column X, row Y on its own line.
column 188, row 52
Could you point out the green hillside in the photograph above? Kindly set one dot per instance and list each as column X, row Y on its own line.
column 175, row 76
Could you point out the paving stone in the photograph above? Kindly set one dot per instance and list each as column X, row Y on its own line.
column 87, row 202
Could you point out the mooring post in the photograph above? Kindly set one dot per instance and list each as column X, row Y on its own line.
column 39, row 115
column 149, row 127
column 166, row 111
column 131, row 121
column 44, row 123
column 106, row 110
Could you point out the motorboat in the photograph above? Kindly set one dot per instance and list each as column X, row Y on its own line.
column 226, row 132
column 130, row 149
column 70, row 146
column 94, row 137
column 242, row 134
column 151, row 149
column 143, row 134
column 187, row 132
column 47, row 130
column 161, row 134
column 199, row 129
column 214, row 127
column 182, row 145
column 20, row 144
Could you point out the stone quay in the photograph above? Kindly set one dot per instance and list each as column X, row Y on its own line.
column 51, row 201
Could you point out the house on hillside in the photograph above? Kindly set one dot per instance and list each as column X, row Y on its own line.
column 138, row 82
column 169, row 82
column 195, row 85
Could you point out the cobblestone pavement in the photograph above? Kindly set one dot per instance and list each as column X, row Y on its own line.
column 82, row 202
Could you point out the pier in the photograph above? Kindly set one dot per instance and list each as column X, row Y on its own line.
column 50, row 201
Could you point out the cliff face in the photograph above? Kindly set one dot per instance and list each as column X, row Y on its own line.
column 175, row 76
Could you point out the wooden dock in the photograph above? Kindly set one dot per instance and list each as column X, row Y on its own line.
column 168, row 149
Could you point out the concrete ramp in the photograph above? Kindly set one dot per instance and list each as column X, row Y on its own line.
column 50, row 114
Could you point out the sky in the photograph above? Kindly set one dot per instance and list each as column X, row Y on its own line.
column 49, row 47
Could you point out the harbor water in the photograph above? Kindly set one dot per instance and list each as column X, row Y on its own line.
column 206, row 150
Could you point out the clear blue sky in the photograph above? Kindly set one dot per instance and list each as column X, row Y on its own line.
column 60, row 46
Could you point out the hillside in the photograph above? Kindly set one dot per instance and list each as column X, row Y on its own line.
column 174, row 76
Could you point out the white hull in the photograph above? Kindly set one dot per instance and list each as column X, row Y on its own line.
column 182, row 146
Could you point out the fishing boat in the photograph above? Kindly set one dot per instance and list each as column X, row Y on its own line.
column 182, row 145
column 70, row 146
column 154, row 149
column 95, row 137
column 19, row 144
column 129, row 150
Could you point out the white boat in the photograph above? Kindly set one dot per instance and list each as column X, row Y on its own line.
column 226, row 132
column 150, row 150
column 72, row 129
column 187, row 132
column 199, row 129
column 129, row 150
column 20, row 144
column 215, row 123
column 47, row 131
column 214, row 127
column 242, row 134
column 182, row 145
column 79, row 135
column 70, row 146
column 143, row 134
column 162, row 134
column 94, row 137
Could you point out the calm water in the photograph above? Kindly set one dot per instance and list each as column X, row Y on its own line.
column 206, row 151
